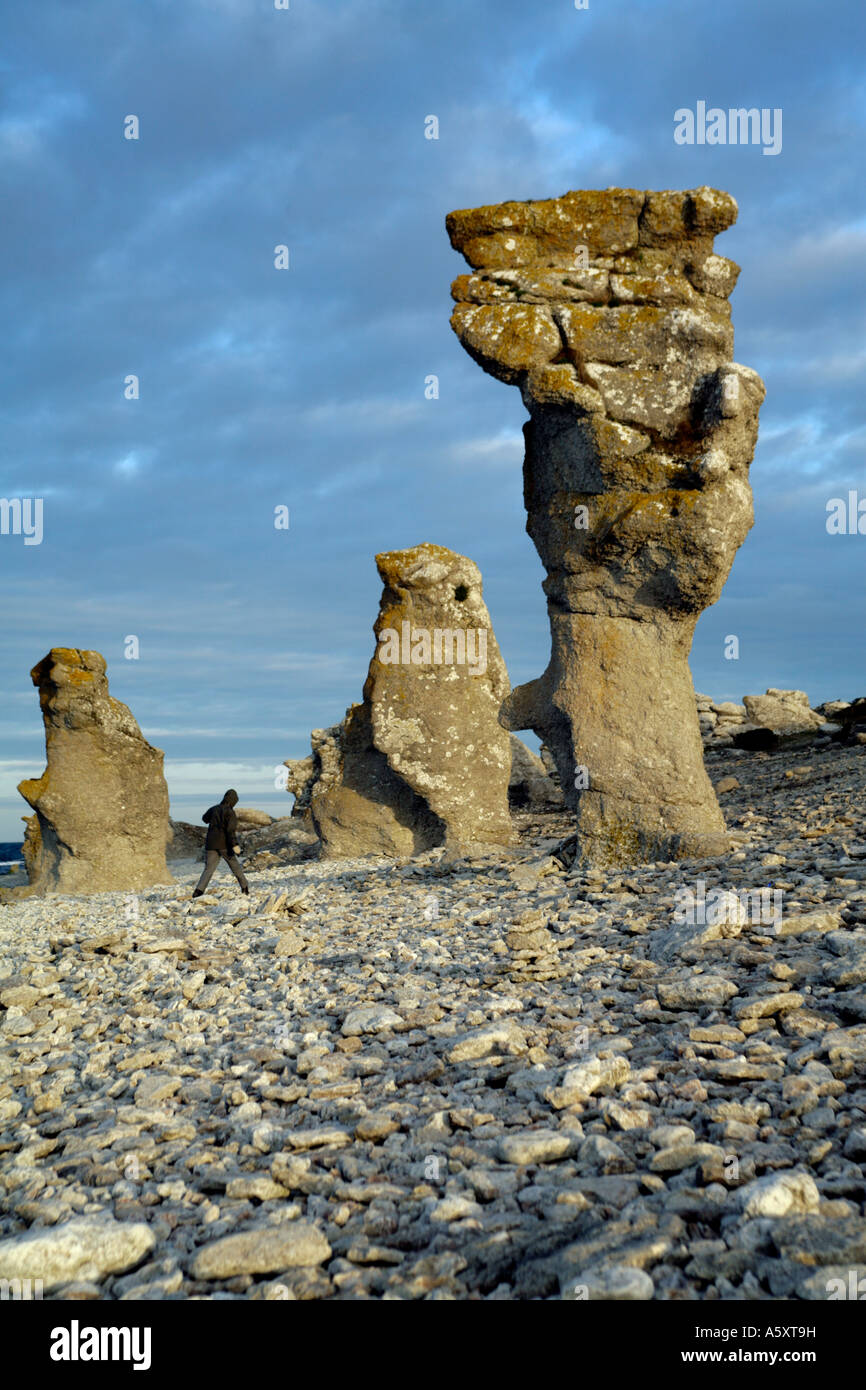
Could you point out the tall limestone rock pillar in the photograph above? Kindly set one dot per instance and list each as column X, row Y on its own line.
column 609, row 311
column 424, row 760
column 101, row 804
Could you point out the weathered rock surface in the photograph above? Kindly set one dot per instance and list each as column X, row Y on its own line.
column 609, row 311
column 262, row 1251
column 287, row 840
column 530, row 786
column 424, row 760
column 249, row 818
column 86, row 1248
column 848, row 717
column 303, row 773
column 187, row 841
column 776, row 719
column 101, row 804
column 782, row 711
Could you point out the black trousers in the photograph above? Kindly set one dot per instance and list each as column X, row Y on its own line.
column 213, row 858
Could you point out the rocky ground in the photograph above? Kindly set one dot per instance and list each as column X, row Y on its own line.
column 449, row 1080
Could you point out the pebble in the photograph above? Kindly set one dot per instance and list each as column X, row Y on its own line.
column 539, row 1146
column 610, row 1284
column 505, row 1035
column 779, row 1194
column 582, row 1081
column 264, row 1250
column 408, row 1104
column 696, row 992
column 370, row 1018
column 87, row 1249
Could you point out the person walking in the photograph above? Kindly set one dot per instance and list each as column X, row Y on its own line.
column 222, row 842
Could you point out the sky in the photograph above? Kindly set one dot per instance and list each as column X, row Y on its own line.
column 305, row 387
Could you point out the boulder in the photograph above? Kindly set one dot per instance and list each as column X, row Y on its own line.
column 847, row 721
column 287, row 840
column 530, row 786
column 87, row 1247
column 783, row 712
column 187, row 841
column 262, row 1250
column 358, row 805
column 550, row 767
column 101, row 805
column 423, row 761
column 608, row 309
column 250, row 819
column 303, row 773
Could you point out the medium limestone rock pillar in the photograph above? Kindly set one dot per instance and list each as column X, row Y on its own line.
column 101, row 805
column 609, row 311
column 424, row 761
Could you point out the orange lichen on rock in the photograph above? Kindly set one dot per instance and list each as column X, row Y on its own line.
column 424, row 760
column 641, row 425
column 101, row 805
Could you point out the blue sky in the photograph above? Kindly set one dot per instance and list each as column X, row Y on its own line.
column 305, row 387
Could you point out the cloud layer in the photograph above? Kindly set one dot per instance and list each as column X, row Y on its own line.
column 305, row 387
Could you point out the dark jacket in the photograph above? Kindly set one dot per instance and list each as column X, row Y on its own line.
column 222, row 823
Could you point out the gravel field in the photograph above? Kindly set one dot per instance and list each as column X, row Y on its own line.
column 454, row 1079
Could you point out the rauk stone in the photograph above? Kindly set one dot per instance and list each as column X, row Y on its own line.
column 608, row 309
column 423, row 761
column 101, row 805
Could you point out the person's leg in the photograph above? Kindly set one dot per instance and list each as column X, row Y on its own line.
column 235, row 865
column 207, row 874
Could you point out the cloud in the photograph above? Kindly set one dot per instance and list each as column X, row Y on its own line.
column 305, row 387
column 820, row 254
column 189, row 776
column 376, row 414
column 129, row 465
column 33, row 117
column 503, row 449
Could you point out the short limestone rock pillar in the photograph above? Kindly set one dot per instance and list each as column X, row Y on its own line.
column 101, row 805
column 424, row 760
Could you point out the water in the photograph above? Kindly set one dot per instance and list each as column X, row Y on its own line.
column 10, row 855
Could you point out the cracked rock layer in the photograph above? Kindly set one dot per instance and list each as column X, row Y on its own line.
column 608, row 309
